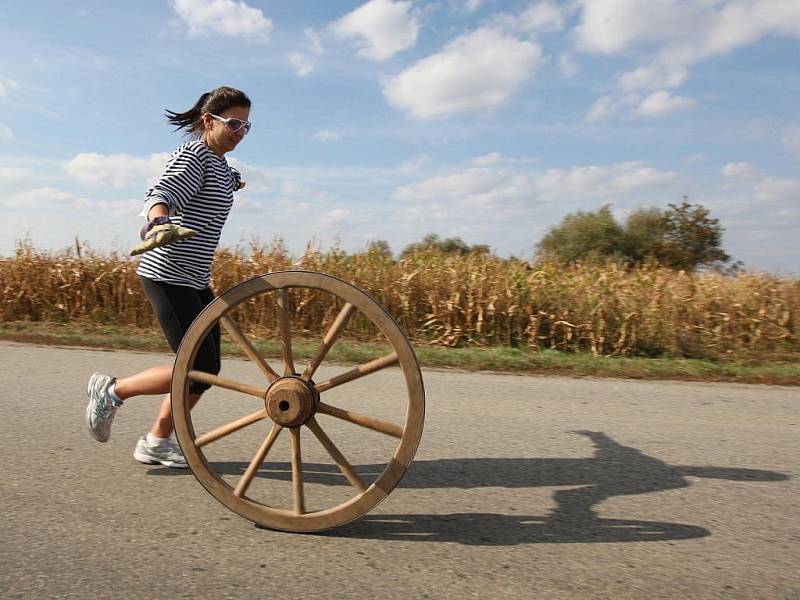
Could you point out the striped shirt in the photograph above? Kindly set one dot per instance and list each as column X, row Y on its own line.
column 197, row 186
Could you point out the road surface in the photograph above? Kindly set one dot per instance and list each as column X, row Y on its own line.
column 526, row 487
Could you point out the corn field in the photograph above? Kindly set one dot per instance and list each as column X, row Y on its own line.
column 450, row 300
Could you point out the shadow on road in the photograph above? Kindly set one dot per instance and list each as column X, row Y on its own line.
column 487, row 529
column 614, row 470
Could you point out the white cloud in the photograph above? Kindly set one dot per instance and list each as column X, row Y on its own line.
column 655, row 105
column 327, row 135
column 567, row 65
column 228, row 17
column 8, row 85
column 681, row 33
column 6, row 135
column 464, row 6
column 485, row 186
column 613, row 26
column 332, row 217
column 487, row 159
column 415, row 164
column 601, row 182
column 510, row 208
column 304, row 62
column 738, row 23
column 661, row 103
column 740, row 170
column 39, row 197
column 118, row 208
column 543, row 16
column 661, row 73
column 478, row 71
column 602, row 108
column 16, row 175
column 55, row 199
column 537, row 18
column 380, row 28
column 778, row 189
column 291, row 188
column 763, row 187
column 313, row 40
column 476, row 191
column 10, row 175
column 118, row 170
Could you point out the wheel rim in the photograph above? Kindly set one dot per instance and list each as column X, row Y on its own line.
column 292, row 401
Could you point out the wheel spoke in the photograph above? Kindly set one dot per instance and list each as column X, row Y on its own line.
column 344, row 466
column 229, row 384
column 297, row 473
column 358, row 419
column 333, row 333
column 233, row 329
column 359, row 371
column 286, row 334
column 258, row 459
column 222, row 431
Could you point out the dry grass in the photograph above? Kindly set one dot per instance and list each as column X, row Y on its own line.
column 473, row 300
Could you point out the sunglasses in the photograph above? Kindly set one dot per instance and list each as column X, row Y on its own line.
column 233, row 125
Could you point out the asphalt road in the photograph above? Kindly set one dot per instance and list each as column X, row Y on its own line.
column 528, row 487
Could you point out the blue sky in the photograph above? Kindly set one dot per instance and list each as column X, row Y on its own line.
column 488, row 120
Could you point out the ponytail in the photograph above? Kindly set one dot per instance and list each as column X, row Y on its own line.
column 216, row 101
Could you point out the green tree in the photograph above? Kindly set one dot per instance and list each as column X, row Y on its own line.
column 691, row 238
column 584, row 235
column 644, row 235
column 454, row 245
column 379, row 247
column 681, row 237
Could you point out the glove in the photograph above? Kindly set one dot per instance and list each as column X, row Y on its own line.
column 160, row 232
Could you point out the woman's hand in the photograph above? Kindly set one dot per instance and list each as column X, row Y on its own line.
column 160, row 232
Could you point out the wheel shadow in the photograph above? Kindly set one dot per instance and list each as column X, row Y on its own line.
column 614, row 470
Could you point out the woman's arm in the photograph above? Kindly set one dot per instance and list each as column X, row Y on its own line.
column 180, row 182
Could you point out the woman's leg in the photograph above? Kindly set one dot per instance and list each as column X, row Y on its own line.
column 176, row 308
column 155, row 380
column 164, row 426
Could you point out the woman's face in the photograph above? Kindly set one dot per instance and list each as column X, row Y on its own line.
column 217, row 134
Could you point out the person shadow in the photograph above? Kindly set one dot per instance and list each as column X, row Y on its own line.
column 614, row 470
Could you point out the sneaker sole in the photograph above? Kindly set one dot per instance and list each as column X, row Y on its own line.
column 146, row 460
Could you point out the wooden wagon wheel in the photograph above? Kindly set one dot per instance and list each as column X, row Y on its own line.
column 291, row 401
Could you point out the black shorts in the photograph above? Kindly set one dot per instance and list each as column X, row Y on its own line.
column 176, row 307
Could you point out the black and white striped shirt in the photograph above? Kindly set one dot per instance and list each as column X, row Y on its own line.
column 197, row 187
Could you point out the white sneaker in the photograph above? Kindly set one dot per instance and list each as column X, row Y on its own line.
column 101, row 410
column 166, row 453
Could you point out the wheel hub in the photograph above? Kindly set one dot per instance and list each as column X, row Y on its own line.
column 290, row 401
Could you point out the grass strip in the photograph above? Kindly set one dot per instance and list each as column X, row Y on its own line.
column 546, row 362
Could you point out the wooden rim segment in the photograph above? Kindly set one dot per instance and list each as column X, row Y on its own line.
column 296, row 518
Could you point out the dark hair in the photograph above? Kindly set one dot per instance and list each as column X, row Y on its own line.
column 215, row 101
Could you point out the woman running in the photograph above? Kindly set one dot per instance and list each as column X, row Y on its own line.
column 185, row 213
